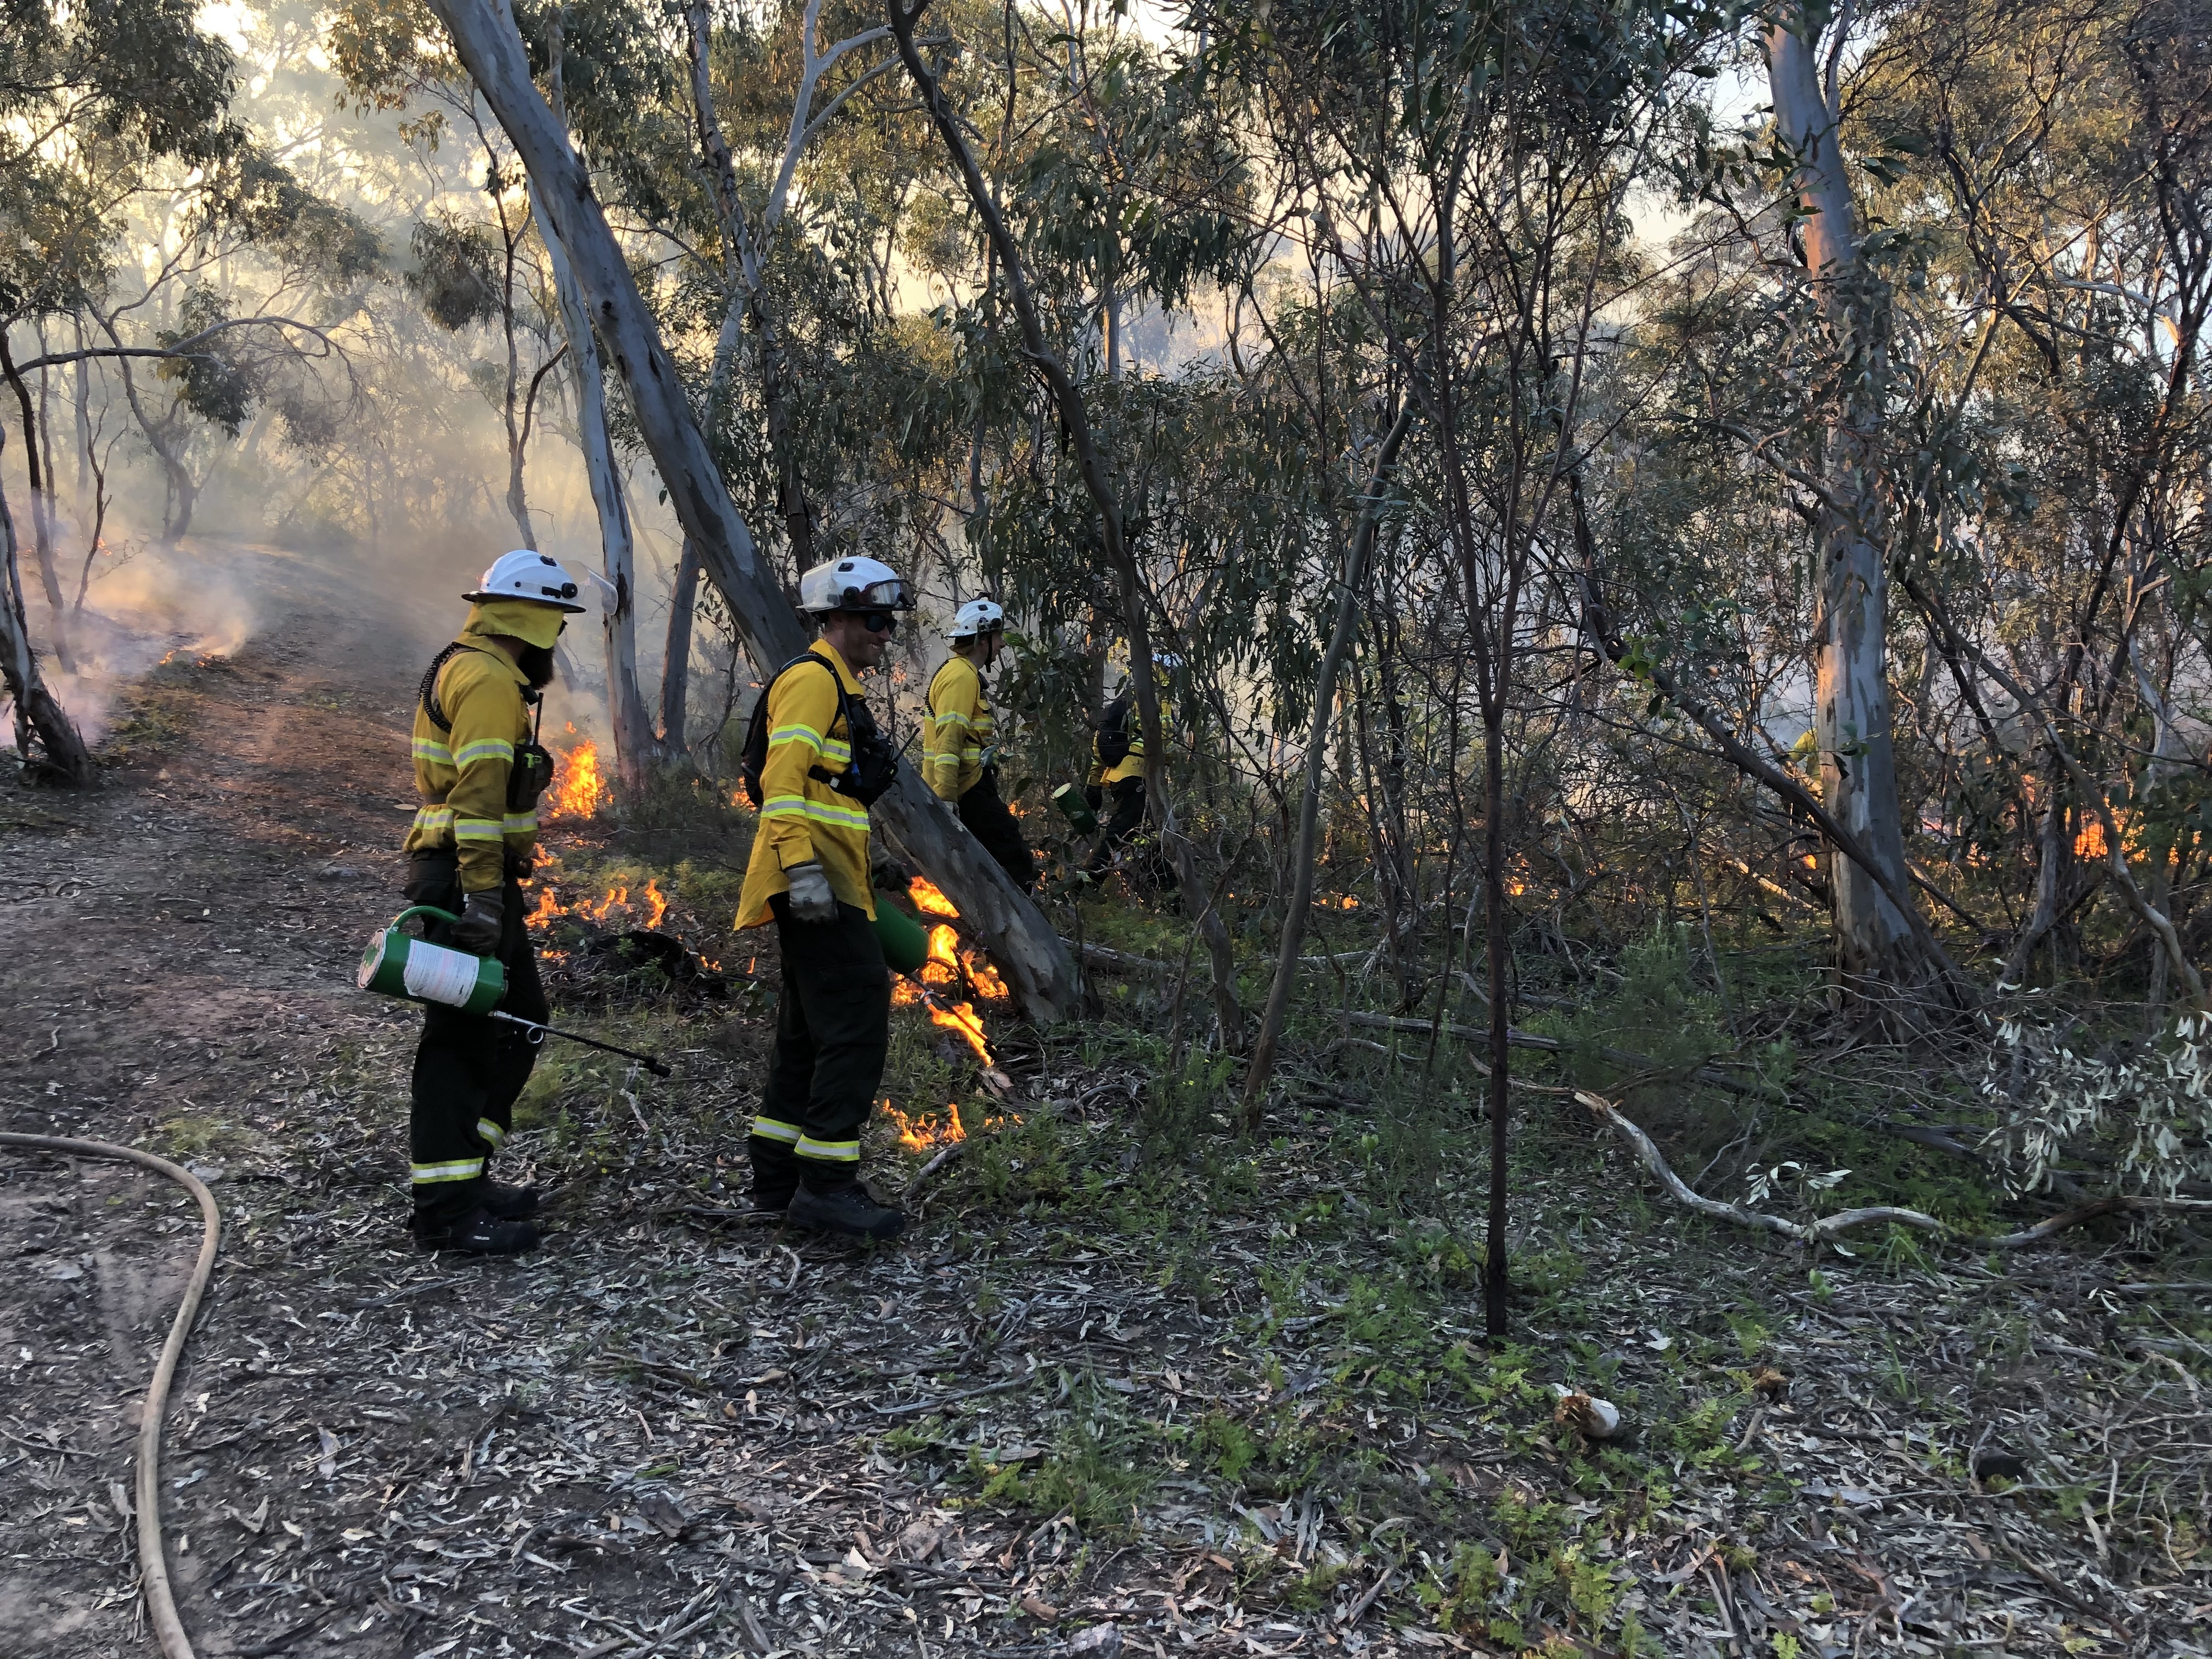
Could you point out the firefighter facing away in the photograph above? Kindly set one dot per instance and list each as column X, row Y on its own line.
column 960, row 750
column 479, row 771
column 1117, row 768
column 821, row 763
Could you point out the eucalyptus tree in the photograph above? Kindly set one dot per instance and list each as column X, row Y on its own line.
column 487, row 43
column 1464, row 172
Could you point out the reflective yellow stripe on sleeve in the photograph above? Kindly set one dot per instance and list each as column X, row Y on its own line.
column 432, row 819
column 484, row 749
column 520, row 823
column 477, row 829
column 428, row 748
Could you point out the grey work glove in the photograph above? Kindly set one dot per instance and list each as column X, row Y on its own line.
column 811, row 897
column 478, row 929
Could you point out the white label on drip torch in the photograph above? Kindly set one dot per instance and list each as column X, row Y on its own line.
column 434, row 974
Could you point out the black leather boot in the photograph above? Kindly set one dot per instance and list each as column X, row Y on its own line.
column 845, row 1210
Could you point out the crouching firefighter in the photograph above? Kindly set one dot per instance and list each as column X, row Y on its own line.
column 480, row 770
column 813, row 762
column 959, row 744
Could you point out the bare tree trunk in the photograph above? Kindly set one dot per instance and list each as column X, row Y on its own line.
column 1858, row 774
column 1302, row 856
column 36, row 713
column 1075, row 417
column 177, row 511
column 741, row 268
column 676, row 665
column 1023, row 946
column 628, row 727
column 42, row 538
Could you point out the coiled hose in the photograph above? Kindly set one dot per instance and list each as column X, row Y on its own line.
column 153, row 1563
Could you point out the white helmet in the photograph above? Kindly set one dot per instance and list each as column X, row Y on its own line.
column 977, row 617
column 855, row 584
column 522, row 575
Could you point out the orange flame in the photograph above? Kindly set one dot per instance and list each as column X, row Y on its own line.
column 919, row 1133
column 651, row 901
column 930, row 899
column 916, row 1134
column 963, row 1018
column 579, row 790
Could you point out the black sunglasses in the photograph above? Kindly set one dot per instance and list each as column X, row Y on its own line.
column 879, row 622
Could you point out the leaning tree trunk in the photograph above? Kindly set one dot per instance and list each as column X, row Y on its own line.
column 1874, row 947
column 38, row 714
column 1035, row 961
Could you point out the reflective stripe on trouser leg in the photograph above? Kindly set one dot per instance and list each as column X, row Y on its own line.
column 768, row 1128
column 433, row 1174
column 832, row 1035
column 468, row 1071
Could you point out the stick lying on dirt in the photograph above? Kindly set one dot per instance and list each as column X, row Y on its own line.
column 1827, row 1227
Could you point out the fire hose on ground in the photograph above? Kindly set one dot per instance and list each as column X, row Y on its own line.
column 153, row 1562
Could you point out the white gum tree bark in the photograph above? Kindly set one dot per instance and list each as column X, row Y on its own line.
column 629, row 724
column 1015, row 933
column 1858, row 776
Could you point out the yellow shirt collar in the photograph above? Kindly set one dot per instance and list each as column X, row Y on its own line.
column 829, row 654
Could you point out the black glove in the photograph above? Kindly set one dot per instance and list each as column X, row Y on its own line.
column 477, row 931
column 1094, row 795
column 889, row 876
column 520, row 867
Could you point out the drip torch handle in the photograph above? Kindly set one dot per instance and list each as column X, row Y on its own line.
column 414, row 910
column 539, row 1032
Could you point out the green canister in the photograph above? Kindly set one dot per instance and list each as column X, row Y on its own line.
column 398, row 964
column 905, row 947
column 1076, row 810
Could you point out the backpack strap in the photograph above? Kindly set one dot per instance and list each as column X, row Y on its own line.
column 428, row 693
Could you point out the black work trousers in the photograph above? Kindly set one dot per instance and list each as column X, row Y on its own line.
column 469, row 1070
column 1128, row 817
column 989, row 821
column 832, row 1034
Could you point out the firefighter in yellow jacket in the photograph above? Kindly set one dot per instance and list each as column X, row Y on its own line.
column 960, row 741
column 1117, row 768
column 479, row 770
column 821, row 762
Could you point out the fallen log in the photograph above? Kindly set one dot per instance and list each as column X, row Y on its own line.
column 1827, row 1228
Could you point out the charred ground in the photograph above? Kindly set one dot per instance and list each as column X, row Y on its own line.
column 1130, row 1369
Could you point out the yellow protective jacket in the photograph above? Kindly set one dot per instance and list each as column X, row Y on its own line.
column 802, row 817
column 960, row 737
column 461, row 774
column 1131, row 765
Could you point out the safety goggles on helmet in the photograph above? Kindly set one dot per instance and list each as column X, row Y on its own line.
column 855, row 584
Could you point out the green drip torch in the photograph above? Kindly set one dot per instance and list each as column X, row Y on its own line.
column 398, row 964
column 1076, row 810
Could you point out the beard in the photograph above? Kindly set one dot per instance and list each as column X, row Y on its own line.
column 536, row 662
